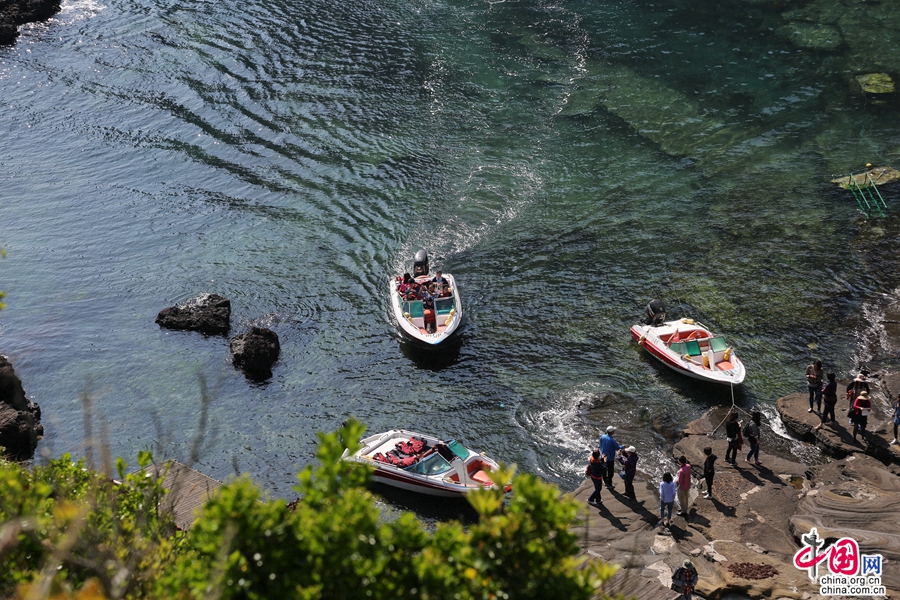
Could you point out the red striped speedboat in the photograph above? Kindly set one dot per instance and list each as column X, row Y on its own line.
column 423, row 463
column 689, row 347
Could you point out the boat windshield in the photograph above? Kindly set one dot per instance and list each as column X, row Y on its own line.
column 717, row 344
column 431, row 465
column 458, row 449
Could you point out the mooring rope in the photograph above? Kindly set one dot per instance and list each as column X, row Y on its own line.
column 734, row 407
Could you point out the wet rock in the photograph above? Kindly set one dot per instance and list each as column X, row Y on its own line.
column 208, row 313
column 880, row 175
column 18, row 12
column 20, row 419
column 836, row 439
column 255, row 352
column 876, row 83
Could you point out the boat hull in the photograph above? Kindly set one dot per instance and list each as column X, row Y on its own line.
column 655, row 340
column 456, row 480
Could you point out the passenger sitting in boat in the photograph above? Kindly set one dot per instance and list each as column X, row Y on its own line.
column 440, row 282
column 427, row 299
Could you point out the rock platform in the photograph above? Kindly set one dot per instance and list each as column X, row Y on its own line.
column 743, row 540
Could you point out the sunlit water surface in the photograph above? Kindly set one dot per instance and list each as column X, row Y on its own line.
column 568, row 162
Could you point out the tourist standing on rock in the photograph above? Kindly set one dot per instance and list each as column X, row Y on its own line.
column 610, row 447
column 667, row 491
column 709, row 471
column 684, row 579
column 862, row 406
column 732, row 434
column 629, row 460
column 896, row 420
column 859, row 384
column 829, row 395
column 751, row 432
column 684, row 485
column 814, row 375
column 596, row 470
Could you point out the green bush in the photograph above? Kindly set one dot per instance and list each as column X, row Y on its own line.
column 77, row 534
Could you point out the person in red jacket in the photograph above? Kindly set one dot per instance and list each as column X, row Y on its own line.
column 596, row 470
column 684, row 485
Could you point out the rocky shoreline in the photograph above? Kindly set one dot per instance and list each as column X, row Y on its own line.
column 18, row 12
column 744, row 539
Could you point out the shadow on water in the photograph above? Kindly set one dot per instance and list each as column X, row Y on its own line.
column 704, row 392
column 430, row 509
column 433, row 359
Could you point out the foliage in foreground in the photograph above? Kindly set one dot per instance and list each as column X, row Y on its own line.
column 68, row 533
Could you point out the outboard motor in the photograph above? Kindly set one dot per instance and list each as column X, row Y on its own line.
column 420, row 265
column 656, row 313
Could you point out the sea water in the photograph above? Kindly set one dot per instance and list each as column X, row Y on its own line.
column 566, row 162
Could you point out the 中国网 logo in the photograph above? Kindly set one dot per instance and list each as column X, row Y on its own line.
column 849, row 573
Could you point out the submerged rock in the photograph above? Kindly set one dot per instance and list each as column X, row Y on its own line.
column 20, row 419
column 876, row 83
column 812, row 36
column 255, row 352
column 209, row 313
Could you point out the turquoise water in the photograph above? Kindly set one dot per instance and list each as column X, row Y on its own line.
column 567, row 162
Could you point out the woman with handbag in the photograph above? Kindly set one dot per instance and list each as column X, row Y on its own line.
column 863, row 406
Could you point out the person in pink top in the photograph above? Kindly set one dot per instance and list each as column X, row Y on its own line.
column 684, row 485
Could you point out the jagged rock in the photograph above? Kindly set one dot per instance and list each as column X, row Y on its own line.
column 255, row 352
column 18, row 12
column 836, row 439
column 209, row 313
column 20, row 426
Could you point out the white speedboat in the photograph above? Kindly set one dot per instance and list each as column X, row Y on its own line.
column 689, row 347
column 423, row 463
column 428, row 309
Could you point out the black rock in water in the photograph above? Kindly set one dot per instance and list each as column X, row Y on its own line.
column 20, row 418
column 255, row 352
column 209, row 313
column 18, row 12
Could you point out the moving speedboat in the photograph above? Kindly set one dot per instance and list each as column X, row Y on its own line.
column 423, row 463
column 428, row 309
column 689, row 347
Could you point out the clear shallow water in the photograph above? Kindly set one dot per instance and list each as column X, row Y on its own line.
column 567, row 162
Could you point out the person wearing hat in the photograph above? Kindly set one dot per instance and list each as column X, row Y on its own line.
column 862, row 406
column 629, row 459
column 684, row 579
column 610, row 447
column 859, row 384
